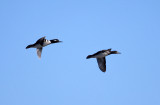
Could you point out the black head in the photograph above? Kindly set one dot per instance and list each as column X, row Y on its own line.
column 55, row 41
column 115, row 52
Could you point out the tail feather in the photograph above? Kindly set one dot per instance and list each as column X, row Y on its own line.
column 89, row 56
column 29, row 46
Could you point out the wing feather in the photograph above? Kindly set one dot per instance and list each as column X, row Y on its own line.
column 39, row 52
column 40, row 41
column 102, row 64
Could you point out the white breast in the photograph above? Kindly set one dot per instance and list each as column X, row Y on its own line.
column 47, row 42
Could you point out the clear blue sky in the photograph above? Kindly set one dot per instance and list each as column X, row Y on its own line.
column 64, row 76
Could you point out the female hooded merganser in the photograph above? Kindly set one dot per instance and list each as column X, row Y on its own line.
column 100, row 55
column 42, row 42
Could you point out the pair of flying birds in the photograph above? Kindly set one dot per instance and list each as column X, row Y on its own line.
column 100, row 55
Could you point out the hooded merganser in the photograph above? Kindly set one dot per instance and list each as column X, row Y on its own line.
column 100, row 55
column 42, row 42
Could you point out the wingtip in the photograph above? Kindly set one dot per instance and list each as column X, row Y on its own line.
column 39, row 56
column 39, row 52
column 43, row 37
column 103, row 70
column 110, row 49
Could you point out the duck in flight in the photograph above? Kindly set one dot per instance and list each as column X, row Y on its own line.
column 100, row 56
column 40, row 43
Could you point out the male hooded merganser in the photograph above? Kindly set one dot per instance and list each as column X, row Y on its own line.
column 100, row 55
column 42, row 42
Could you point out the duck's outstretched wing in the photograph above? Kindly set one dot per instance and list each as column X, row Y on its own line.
column 39, row 52
column 102, row 64
column 40, row 41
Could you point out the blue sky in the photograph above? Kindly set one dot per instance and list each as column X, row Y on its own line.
column 63, row 76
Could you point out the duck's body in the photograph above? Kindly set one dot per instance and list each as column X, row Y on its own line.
column 100, row 55
column 40, row 43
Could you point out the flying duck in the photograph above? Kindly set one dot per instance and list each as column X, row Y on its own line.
column 100, row 55
column 40, row 43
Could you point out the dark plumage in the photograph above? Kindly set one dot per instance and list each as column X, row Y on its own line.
column 100, row 56
column 40, row 43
